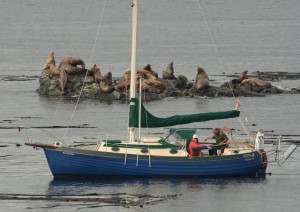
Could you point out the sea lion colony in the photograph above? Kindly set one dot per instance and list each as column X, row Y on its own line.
column 76, row 66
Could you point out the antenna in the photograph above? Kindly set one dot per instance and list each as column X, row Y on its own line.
column 278, row 150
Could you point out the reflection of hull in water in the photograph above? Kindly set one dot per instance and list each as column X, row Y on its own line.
column 66, row 161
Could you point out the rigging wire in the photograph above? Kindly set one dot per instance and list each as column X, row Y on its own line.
column 221, row 63
column 98, row 31
column 214, row 44
column 56, row 110
column 91, row 57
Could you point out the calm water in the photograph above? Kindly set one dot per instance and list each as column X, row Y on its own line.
column 253, row 35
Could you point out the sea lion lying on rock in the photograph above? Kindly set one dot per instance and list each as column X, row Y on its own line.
column 104, row 86
column 202, row 80
column 148, row 68
column 146, row 74
column 69, row 64
column 72, row 61
column 242, row 76
column 72, row 69
column 149, row 80
column 124, row 82
column 155, row 83
column 50, row 60
column 145, row 86
column 256, row 82
column 169, row 72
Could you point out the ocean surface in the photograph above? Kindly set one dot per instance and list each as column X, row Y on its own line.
column 239, row 35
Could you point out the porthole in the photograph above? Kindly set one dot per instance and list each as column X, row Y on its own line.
column 173, row 151
column 144, row 150
column 115, row 149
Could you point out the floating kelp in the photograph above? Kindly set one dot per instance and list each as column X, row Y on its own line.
column 49, row 127
column 119, row 199
column 17, row 78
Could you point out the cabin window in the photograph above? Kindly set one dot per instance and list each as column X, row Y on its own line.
column 236, row 151
column 144, row 150
column 173, row 151
column 175, row 140
column 115, row 149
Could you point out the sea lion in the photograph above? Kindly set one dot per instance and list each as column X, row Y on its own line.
column 104, row 87
column 144, row 86
column 148, row 68
column 202, row 80
column 124, row 82
column 150, row 80
column 169, row 72
column 184, row 82
column 50, row 60
column 108, row 78
column 72, row 69
column 242, row 76
column 63, row 80
column 96, row 72
column 154, row 83
column 54, row 71
column 146, row 74
column 72, row 61
column 256, row 82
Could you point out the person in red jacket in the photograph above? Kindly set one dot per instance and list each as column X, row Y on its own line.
column 195, row 147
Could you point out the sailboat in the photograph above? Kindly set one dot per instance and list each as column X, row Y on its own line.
column 151, row 156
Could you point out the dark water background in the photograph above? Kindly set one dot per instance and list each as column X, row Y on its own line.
column 253, row 35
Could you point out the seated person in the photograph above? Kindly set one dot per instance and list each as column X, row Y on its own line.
column 219, row 135
column 220, row 138
column 195, row 147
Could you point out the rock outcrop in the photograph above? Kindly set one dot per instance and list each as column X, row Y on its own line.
column 91, row 84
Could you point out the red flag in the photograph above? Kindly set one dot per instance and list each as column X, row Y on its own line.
column 238, row 105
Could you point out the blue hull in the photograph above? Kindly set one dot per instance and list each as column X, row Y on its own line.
column 71, row 162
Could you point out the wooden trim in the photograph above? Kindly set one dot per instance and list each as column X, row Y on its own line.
column 40, row 145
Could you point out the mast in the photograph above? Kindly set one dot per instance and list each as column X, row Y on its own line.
column 133, row 61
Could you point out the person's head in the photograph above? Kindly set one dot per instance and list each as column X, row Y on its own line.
column 195, row 137
column 216, row 131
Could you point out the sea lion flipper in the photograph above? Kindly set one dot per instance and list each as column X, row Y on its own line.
column 63, row 80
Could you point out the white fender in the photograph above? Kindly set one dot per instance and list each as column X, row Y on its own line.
column 259, row 140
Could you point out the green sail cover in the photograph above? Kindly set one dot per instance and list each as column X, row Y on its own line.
column 148, row 120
